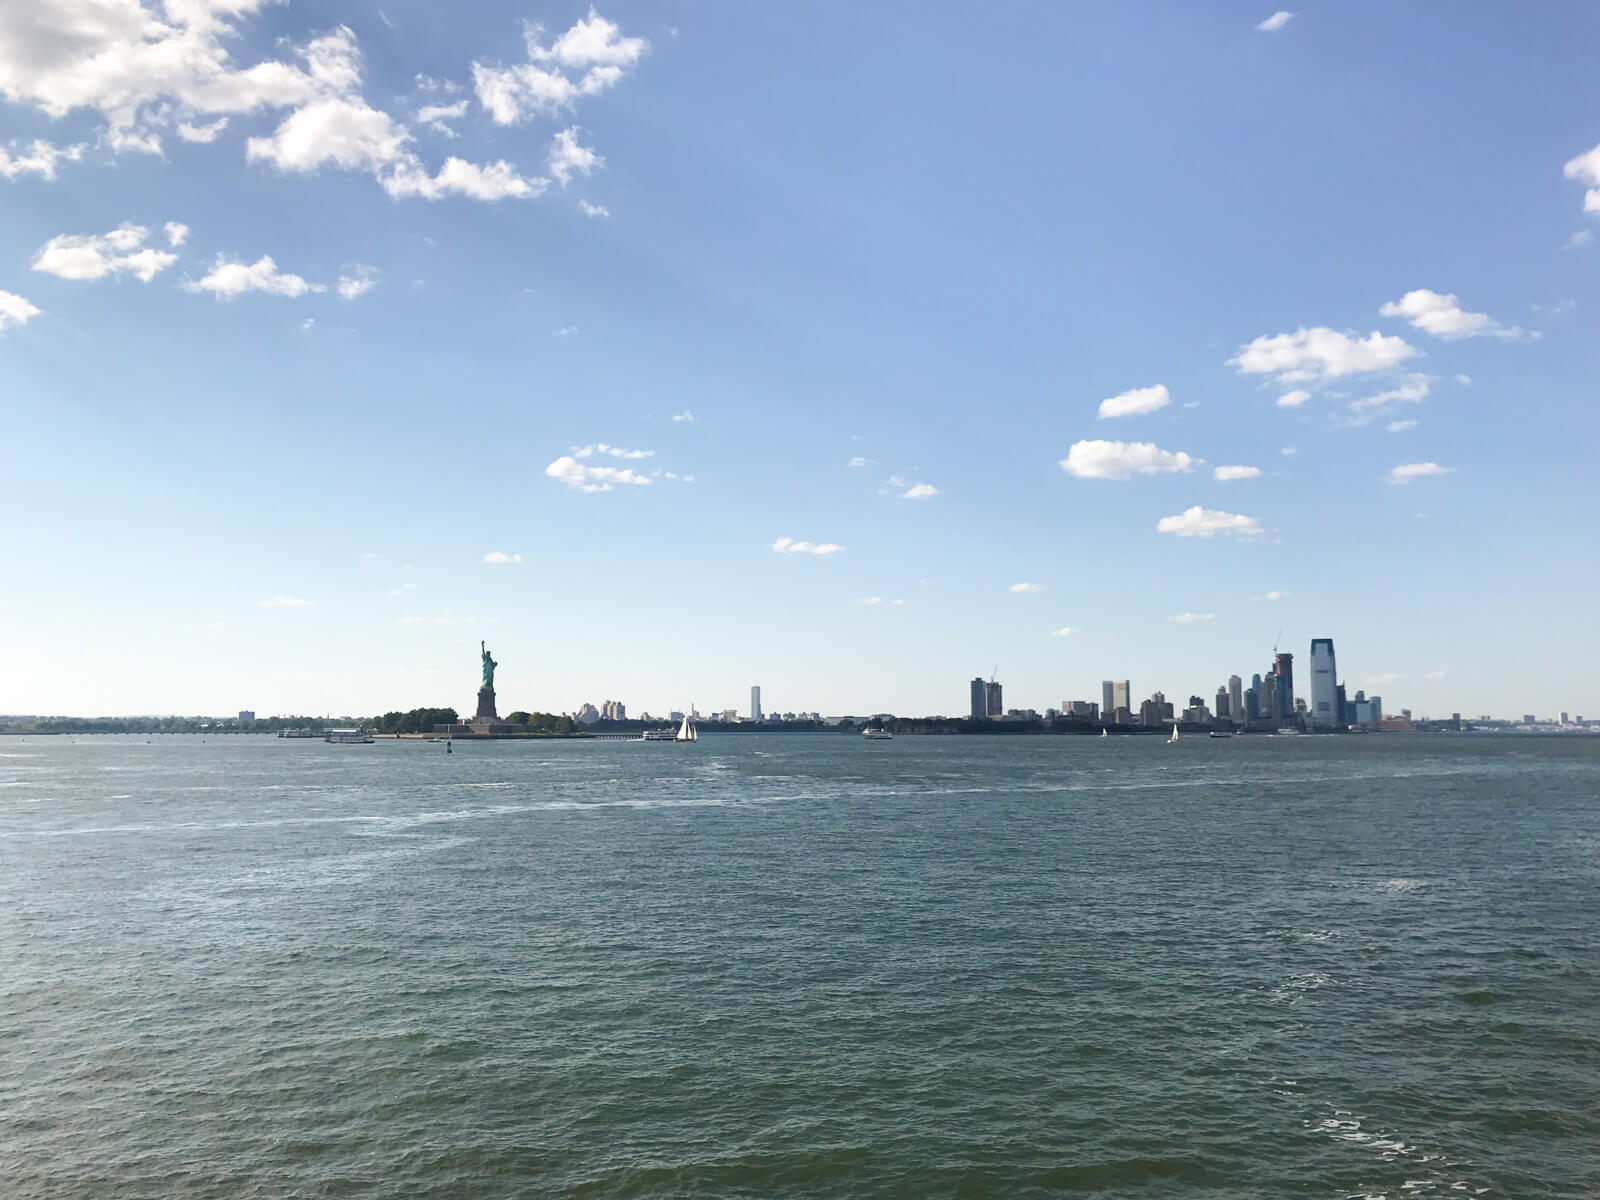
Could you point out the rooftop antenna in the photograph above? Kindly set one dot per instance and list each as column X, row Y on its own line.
column 1276, row 640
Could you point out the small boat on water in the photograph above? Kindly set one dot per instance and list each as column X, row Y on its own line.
column 1174, row 736
column 348, row 737
column 877, row 735
column 1219, row 733
column 1102, row 731
column 687, row 731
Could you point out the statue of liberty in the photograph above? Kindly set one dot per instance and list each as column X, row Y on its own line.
column 489, row 665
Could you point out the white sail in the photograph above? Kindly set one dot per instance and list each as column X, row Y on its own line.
column 686, row 731
column 1174, row 736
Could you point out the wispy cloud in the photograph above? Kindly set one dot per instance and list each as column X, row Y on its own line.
column 1277, row 595
column 788, row 545
column 1135, row 402
column 177, row 233
column 1293, row 399
column 686, row 417
column 1230, row 473
column 919, row 491
column 567, row 158
column 92, row 256
column 585, row 478
column 1581, row 239
column 1319, row 354
column 1275, row 22
column 1206, row 522
column 282, row 601
column 229, row 279
column 593, row 210
column 1586, row 168
column 858, row 461
column 1402, row 426
column 1413, row 389
column 613, row 451
column 1406, row 472
column 1122, row 460
column 1189, row 618
column 1441, row 315
column 14, row 310
column 564, row 331
column 1064, row 631
column 357, row 280
column 500, row 556
column 40, row 159
column 1027, row 587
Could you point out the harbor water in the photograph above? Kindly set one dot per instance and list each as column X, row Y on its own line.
column 797, row 966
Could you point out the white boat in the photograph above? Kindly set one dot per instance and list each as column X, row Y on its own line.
column 348, row 737
column 1102, row 732
column 1219, row 733
column 877, row 735
column 686, row 731
column 659, row 735
column 1174, row 736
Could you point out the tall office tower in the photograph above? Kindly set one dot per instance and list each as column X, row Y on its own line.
column 1283, row 668
column 755, row 703
column 1258, row 708
column 1122, row 694
column 992, row 704
column 1252, row 705
column 1108, row 698
column 1324, row 685
column 1235, row 698
column 1224, row 703
column 1341, row 705
column 980, row 700
column 1269, row 697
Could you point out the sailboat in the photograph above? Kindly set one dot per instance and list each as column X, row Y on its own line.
column 1102, row 731
column 1174, row 736
column 686, row 731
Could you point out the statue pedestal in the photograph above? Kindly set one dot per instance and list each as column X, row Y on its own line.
column 486, row 712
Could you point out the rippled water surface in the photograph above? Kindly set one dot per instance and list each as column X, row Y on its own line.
column 800, row 966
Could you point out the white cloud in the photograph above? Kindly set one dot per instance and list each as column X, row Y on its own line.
column 1288, row 452
column 1229, row 473
column 1064, row 631
column 541, row 86
column 40, row 158
column 120, row 252
column 1027, row 587
column 1293, row 399
column 1189, row 618
column 201, row 134
column 1413, row 389
column 282, row 601
column 613, row 451
column 1277, row 595
column 1405, row 473
column 872, row 600
column 306, row 325
column 14, row 310
column 1402, row 426
column 498, row 180
column 567, row 158
column 1132, row 403
column 1464, row 380
column 1122, row 460
column 1204, row 522
column 593, row 210
column 919, row 491
column 592, row 479
column 228, row 279
column 685, row 416
column 858, row 461
column 500, row 556
column 785, row 545
column 1586, row 167
column 1320, row 354
column 434, row 116
column 1584, row 237
column 177, row 233
column 564, row 331
column 1275, row 22
column 357, row 280
column 1438, row 313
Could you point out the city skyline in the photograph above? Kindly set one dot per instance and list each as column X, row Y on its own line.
column 333, row 341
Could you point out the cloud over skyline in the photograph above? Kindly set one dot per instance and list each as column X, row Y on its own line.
column 1122, row 460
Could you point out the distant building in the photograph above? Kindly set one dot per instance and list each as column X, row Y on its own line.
column 587, row 715
column 1252, row 705
column 1197, row 713
column 1342, row 705
column 755, row 703
column 1223, row 709
column 1080, row 708
column 1235, row 698
column 613, row 710
column 1269, row 697
column 1155, row 711
column 992, row 703
column 980, row 700
column 1324, row 685
column 1253, row 708
column 1108, row 697
column 1528, row 719
column 730, row 715
column 1283, row 669
column 246, row 714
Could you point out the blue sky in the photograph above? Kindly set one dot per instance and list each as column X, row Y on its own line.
column 445, row 274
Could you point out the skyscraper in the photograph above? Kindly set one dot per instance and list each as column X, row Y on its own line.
column 1108, row 697
column 755, row 703
column 1236, row 710
column 1324, row 685
column 1283, row 668
column 1122, row 694
column 980, row 700
column 992, row 706
column 1224, row 709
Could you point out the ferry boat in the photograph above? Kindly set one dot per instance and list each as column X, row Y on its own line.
column 877, row 735
column 348, row 737
column 659, row 735
column 298, row 733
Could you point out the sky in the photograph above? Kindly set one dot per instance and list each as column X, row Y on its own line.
column 849, row 350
